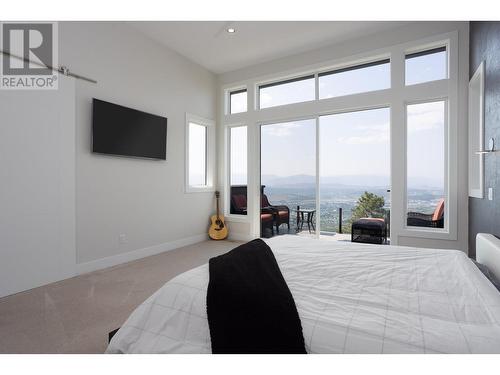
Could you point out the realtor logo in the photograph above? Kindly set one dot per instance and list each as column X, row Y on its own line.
column 29, row 55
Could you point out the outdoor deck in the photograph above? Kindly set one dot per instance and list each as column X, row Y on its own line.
column 345, row 237
column 340, row 237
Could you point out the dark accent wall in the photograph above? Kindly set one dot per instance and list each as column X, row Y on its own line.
column 484, row 215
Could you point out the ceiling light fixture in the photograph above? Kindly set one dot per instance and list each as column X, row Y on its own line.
column 231, row 30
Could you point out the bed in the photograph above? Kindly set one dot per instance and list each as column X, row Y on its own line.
column 351, row 298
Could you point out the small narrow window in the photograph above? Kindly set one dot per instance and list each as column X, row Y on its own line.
column 366, row 77
column 238, row 170
column 238, row 101
column 294, row 90
column 197, row 155
column 426, row 66
column 426, row 164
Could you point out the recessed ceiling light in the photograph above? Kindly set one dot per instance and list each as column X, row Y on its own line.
column 231, row 30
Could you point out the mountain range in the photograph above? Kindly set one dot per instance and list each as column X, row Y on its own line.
column 345, row 181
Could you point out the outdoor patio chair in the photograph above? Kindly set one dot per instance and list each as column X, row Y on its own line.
column 434, row 220
column 281, row 213
column 238, row 204
column 266, row 222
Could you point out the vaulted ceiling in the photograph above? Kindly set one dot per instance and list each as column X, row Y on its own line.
column 209, row 44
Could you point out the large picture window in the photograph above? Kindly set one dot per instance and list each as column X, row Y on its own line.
column 354, row 162
column 372, row 136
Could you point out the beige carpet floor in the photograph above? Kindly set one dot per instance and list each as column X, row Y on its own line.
column 75, row 315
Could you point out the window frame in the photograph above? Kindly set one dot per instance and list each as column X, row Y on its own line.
column 431, row 91
column 395, row 97
column 210, row 154
column 424, row 50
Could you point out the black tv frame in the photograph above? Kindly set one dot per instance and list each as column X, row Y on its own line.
column 100, row 152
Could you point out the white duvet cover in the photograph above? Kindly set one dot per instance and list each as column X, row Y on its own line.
column 350, row 298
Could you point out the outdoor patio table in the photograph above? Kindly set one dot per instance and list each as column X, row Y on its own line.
column 305, row 216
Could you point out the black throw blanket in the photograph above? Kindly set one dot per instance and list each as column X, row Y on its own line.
column 249, row 306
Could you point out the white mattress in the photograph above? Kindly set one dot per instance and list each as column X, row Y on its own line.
column 350, row 298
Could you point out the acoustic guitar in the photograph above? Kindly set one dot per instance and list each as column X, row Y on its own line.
column 218, row 229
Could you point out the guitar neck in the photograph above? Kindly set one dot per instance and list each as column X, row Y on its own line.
column 217, row 200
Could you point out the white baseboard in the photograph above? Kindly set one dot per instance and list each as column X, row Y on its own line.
column 115, row 260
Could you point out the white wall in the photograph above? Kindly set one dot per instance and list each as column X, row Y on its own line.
column 64, row 208
column 142, row 199
column 37, row 187
column 312, row 60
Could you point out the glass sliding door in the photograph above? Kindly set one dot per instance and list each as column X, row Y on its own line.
column 354, row 169
column 288, row 178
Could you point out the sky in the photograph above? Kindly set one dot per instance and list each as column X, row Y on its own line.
column 238, row 155
column 354, row 143
column 197, row 154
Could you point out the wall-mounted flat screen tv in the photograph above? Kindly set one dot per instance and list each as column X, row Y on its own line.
column 119, row 130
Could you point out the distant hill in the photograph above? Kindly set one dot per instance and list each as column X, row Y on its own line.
column 344, row 181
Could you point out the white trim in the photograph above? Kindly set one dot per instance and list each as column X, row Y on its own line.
column 317, row 125
column 477, row 78
column 231, row 218
column 254, row 180
column 114, row 260
column 211, row 156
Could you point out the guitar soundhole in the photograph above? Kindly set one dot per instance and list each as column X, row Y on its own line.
column 220, row 224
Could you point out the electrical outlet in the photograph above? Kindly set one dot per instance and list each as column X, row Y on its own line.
column 122, row 238
column 490, row 194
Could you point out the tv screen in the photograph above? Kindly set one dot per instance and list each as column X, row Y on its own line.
column 125, row 131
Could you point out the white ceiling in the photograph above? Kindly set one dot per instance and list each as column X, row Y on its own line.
column 208, row 44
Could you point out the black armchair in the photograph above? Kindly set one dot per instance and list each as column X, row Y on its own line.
column 434, row 220
column 281, row 213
